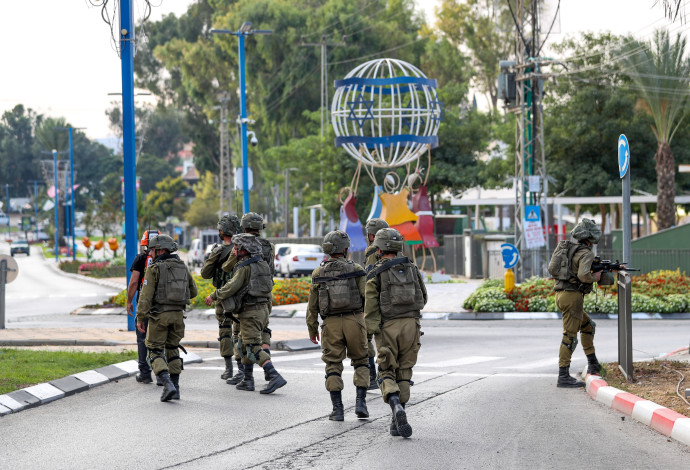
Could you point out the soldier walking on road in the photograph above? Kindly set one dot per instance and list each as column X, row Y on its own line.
column 228, row 225
column 395, row 295
column 571, row 265
column 252, row 223
column 337, row 296
column 247, row 297
column 371, row 257
column 167, row 290
column 138, row 268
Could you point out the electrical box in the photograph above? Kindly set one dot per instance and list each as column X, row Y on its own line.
column 507, row 91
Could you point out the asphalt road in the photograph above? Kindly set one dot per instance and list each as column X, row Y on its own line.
column 484, row 397
column 39, row 291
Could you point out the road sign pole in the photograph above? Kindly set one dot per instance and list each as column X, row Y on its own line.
column 624, row 281
column 3, row 279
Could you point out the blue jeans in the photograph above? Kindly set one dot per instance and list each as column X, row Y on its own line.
column 142, row 351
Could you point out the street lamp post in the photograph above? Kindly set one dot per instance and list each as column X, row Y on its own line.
column 71, row 185
column 55, row 182
column 287, row 199
column 245, row 30
column 7, row 198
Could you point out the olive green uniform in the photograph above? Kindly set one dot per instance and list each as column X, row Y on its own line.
column 570, row 300
column 253, row 312
column 212, row 269
column 370, row 261
column 343, row 333
column 392, row 311
column 166, row 319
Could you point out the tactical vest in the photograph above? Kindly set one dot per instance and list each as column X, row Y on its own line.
column 370, row 257
column 220, row 277
column 338, row 291
column 172, row 291
column 258, row 289
column 561, row 267
column 401, row 294
column 267, row 253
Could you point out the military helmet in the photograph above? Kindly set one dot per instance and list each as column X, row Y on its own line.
column 247, row 241
column 389, row 239
column 148, row 234
column 586, row 230
column 252, row 220
column 374, row 225
column 335, row 242
column 163, row 242
column 229, row 225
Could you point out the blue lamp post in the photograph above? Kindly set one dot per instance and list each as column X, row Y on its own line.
column 71, row 185
column 245, row 30
column 55, row 182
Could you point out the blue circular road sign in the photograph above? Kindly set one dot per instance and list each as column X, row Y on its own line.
column 510, row 255
column 623, row 155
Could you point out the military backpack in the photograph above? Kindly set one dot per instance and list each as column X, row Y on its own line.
column 257, row 290
column 401, row 293
column 560, row 265
column 338, row 291
column 172, row 291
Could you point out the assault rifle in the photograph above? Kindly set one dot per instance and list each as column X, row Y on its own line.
column 605, row 265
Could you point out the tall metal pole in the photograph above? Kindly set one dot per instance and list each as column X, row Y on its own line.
column 36, row 207
column 71, row 186
column 55, row 182
column 3, row 280
column 243, row 126
column 7, row 198
column 129, row 142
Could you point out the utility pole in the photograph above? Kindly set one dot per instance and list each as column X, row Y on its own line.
column 71, row 186
column 324, row 74
column 286, row 209
column 225, row 166
column 7, row 198
column 35, row 182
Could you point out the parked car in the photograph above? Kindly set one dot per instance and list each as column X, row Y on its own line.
column 20, row 246
column 280, row 250
column 3, row 218
column 195, row 256
column 301, row 259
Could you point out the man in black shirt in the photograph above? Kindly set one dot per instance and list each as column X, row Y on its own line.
column 139, row 265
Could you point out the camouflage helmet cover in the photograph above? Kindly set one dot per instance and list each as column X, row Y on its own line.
column 389, row 239
column 374, row 225
column 335, row 242
column 163, row 242
column 248, row 242
column 252, row 220
column 229, row 225
column 586, row 230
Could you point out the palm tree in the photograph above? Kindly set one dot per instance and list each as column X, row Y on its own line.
column 660, row 74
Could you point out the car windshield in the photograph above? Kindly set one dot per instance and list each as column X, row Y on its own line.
column 282, row 250
column 20, row 242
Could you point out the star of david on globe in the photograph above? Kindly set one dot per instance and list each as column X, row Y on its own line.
column 386, row 113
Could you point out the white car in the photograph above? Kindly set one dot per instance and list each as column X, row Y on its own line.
column 195, row 256
column 280, row 250
column 300, row 259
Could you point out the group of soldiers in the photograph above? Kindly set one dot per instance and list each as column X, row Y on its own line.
column 357, row 307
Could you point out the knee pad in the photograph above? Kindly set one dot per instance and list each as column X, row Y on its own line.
column 570, row 343
column 174, row 367
column 589, row 323
column 155, row 354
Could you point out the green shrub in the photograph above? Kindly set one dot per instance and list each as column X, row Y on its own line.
column 482, row 294
column 678, row 303
column 490, row 304
column 600, row 303
column 539, row 304
column 70, row 266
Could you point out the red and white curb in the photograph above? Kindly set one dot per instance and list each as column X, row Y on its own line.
column 661, row 419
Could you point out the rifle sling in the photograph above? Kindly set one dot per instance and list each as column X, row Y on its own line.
column 353, row 274
column 249, row 261
column 387, row 265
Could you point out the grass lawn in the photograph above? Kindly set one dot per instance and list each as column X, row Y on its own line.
column 21, row 368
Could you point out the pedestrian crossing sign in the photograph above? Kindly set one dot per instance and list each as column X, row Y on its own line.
column 532, row 214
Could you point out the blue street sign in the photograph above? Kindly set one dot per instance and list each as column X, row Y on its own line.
column 623, row 155
column 532, row 214
column 510, row 255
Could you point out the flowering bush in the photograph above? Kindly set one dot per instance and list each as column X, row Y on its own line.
column 291, row 291
column 92, row 266
column 485, row 292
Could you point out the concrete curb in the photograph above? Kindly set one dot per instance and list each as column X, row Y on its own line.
column 281, row 345
column 41, row 394
column 661, row 419
column 115, row 285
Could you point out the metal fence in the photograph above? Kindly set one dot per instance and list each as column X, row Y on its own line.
column 535, row 262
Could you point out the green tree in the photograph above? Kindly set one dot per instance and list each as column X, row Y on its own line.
column 152, row 169
column 203, row 211
column 661, row 72
column 167, row 199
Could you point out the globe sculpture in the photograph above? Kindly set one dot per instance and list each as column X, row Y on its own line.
column 386, row 113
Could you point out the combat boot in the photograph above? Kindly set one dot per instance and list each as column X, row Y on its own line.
column 144, row 377
column 566, row 381
column 593, row 366
column 399, row 416
column 227, row 373
column 175, row 378
column 159, row 382
column 373, row 384
column 237, row 378
column 393, row 428
column 247, row 383
column 168, row 387
column 361, row 403
column 275, row 380
column 338, row 413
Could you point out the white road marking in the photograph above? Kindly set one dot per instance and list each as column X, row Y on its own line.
column 461, row 361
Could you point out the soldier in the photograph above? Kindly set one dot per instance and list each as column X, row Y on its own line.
column 337, row 295
column 138, row 268
column 228, row 225
column 395, row 296
column 167, row 290
column 570, row 295
column 371, row 257
column 252, row 223
column 247, row 296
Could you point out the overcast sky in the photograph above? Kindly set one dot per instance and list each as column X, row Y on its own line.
column 57, row 57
